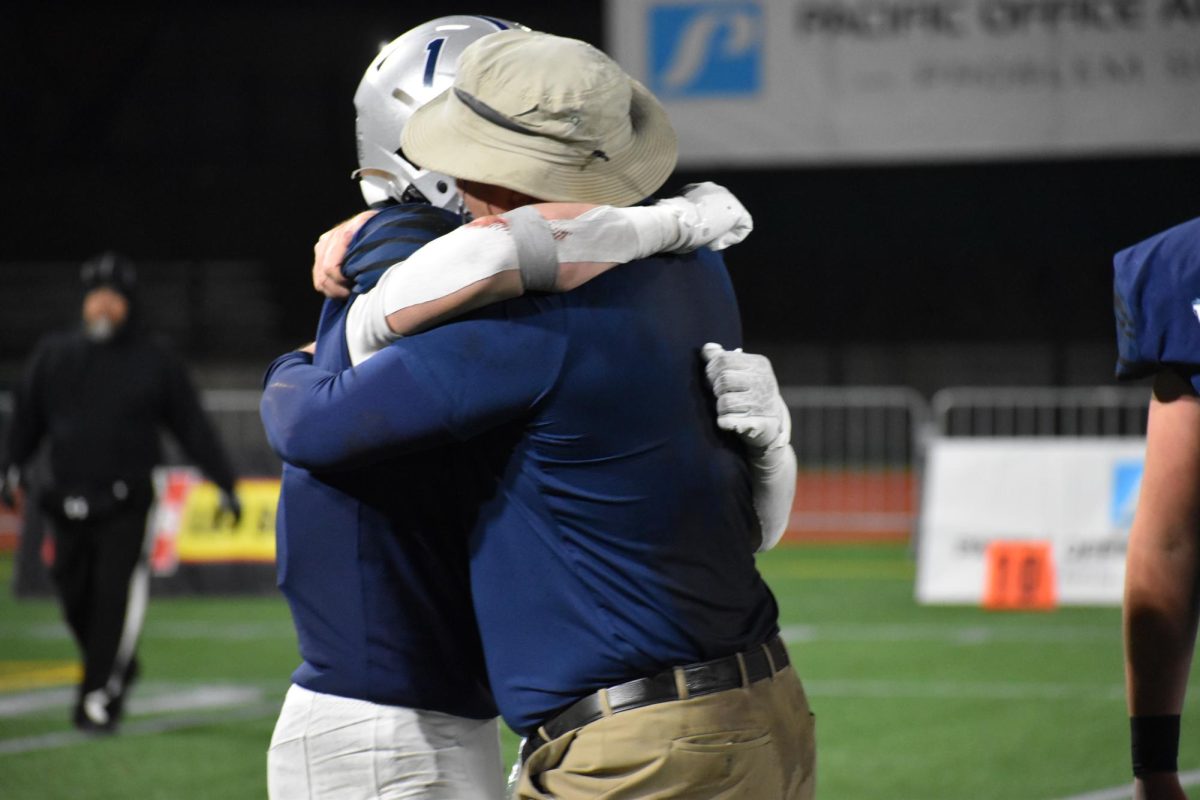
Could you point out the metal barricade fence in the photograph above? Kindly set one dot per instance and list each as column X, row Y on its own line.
column 860, row 449
column 1029, row 494
column 234, row 414
column 859, row 453
column 1105, row 411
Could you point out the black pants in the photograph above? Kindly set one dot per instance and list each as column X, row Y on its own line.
column 101, row 572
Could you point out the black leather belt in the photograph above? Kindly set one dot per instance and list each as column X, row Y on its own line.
column 679, row 683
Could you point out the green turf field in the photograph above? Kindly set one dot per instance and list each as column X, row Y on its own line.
column 912, row 703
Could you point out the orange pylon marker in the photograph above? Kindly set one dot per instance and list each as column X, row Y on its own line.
column 1019, row 575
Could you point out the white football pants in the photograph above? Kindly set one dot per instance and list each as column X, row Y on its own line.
column 336, row 748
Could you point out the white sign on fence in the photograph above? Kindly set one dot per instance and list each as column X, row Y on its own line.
column 1078, row 494
column 770, row 81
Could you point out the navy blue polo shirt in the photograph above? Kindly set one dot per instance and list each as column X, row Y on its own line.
column 373, row 562
column 619, row 538
column 1156, row 297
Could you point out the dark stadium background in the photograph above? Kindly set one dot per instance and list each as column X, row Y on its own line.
column 213, row 142
column 192, row 136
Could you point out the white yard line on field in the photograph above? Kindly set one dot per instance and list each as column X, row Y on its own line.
column 175, row 705
column 235, row 631
column 52, row 741
column 151, row 699
column 1125, row 792
column 962, row 690
column 839, row 632
column 18, row 705
column 942, row 689
column 952, row 634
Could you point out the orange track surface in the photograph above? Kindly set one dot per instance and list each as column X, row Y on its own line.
column 853, row 506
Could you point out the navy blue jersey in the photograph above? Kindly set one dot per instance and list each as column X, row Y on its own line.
column 373, row 561
column 1157, row 302
column 619, row 539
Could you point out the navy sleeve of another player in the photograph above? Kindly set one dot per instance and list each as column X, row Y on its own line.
column 1156, row 298
column 323, row 420
column 492, row 367
column 448, row 384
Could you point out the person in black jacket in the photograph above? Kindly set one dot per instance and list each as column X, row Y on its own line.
column 98, row 397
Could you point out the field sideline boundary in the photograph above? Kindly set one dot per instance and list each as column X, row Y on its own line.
column 202, row 705
column 1125, row 792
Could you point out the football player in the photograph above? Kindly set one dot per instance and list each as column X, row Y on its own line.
column 1157, row 286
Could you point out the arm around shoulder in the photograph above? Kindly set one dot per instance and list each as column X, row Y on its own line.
column 546, row 247
column 327, row 421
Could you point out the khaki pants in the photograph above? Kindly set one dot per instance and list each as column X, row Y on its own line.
column 744, row 744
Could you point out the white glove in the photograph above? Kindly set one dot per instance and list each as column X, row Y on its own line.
column 749, row 403
column 748, row 399
column 709, row 215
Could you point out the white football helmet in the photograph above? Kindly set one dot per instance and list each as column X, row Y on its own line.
column 408, row 72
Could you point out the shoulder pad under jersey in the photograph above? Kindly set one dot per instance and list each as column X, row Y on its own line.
column 391, row 236
column 1156, row 299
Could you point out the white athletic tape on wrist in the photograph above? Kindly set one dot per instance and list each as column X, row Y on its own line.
column 367, row 331
column 449, row 263
column 537, row 257
column 691, row 229
column 615, row 235
column 774, row 475
column 440, row 268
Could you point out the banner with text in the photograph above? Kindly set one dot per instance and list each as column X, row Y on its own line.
column 772, row 81
column 1078, row 496
column 189, row 527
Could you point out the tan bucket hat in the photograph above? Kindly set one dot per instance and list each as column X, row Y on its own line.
column 551, row 117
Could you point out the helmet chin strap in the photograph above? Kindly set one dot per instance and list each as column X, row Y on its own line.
column 380, row 187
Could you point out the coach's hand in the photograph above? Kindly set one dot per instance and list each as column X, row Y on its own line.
column 330, row 252
column 748, row 399
column 230, row 506
column 1159, row 786
column 709, row 215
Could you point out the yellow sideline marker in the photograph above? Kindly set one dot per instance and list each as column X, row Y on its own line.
column 16, row 675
